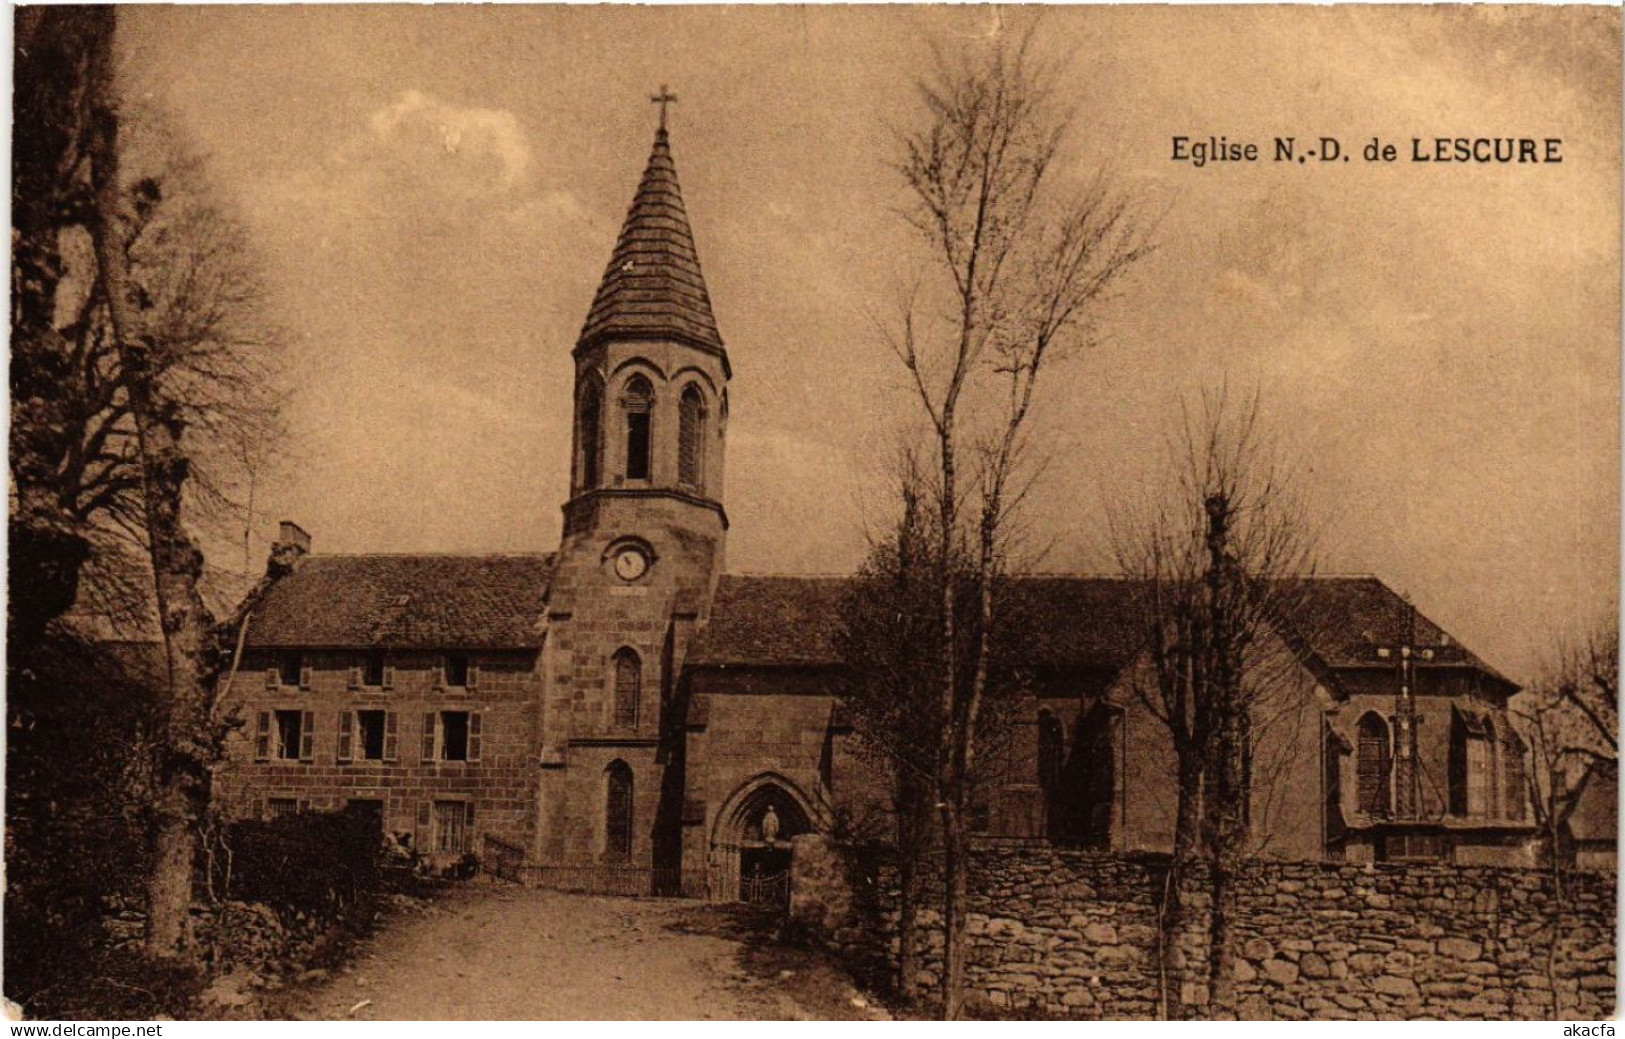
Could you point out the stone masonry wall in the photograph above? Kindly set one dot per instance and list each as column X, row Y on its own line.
column 1075, row 934
column 406, row 784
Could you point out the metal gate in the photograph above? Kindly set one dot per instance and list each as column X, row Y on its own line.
column 773, row 891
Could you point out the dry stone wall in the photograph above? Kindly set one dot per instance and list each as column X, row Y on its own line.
column 1077, row 934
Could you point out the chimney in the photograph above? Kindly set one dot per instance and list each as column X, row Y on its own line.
column 292, row 545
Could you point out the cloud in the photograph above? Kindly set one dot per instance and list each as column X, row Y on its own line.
column 417, row 122
column 433, row 186
column 419, row 165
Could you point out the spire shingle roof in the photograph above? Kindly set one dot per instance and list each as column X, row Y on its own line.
column 653, row 286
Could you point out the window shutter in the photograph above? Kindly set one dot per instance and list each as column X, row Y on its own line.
column 389, row 676
column 355, row 678
column 425, row 834
column 474, row 736
column 392, row 742
column 304, row 676
column 346, row 734
column 439, row 676
column 473, row 675
column 428, row 736
column 262, row 737
column 307, row 736
column 273, row 679
column 468, row 820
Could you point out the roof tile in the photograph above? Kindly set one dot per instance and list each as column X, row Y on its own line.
column 406, row 602
column 777, row 621
column 653, row 285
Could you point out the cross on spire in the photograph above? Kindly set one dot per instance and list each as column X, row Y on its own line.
column 663, row 99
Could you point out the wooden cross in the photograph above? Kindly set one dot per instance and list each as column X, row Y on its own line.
column 1407, row 778
column 663, row 99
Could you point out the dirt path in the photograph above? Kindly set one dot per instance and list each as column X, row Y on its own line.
column 491, row 952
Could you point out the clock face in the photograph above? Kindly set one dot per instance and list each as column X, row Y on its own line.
column 630, row 564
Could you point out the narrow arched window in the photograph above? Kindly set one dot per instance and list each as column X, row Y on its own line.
column 628, row 688
column 691, row 437
column 1515, row 794
column 638, row 404
column 589, row 429
column 618, row 810
column 1374, row 763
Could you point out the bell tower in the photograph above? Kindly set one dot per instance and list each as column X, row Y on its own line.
column 651, row 370
column 643, row 535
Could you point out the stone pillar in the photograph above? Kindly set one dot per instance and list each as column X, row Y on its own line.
column 820, row 897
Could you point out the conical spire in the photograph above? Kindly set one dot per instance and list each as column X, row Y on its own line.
column 653, row 286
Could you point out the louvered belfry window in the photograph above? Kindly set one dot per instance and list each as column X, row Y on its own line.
column 691, row 437
column 618, row 811
column 628, row 688
column 1374, row 763
column 638, row 403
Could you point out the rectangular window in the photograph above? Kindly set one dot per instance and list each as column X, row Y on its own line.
column 637, row 445
column 451, row 826
column 371, row 724
column 453, row 735
column 292, row 666
column 457, row 669
column 372, row 670
column 289, row 734
column 278, row 807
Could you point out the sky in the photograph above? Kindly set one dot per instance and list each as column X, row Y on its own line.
column 432, row 194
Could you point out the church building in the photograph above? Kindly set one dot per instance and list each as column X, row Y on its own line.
column 625, row 707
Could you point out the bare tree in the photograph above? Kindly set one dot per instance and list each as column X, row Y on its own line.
column 50, row 194
column 1021, row 257
column 1220, row 560
column 1585, row 676
column 889, row 689
column 77, row 514
column 891, row 683
column 1563, row 721
column 1570, row 721
column 169, row 314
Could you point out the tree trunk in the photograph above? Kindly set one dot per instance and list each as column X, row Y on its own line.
column 1222, row 940
column 1229, row 837
column 950, row 785
column 1188, row 817
column 1179, row 930
column 913, row 828
column 184, row 730
column 955, row 898
column 908, row 956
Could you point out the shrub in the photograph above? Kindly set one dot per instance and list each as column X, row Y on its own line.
column 77, row 803
column 320, row 864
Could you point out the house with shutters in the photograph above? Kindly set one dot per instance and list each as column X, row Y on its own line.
column 401, row 686
column 625, row 704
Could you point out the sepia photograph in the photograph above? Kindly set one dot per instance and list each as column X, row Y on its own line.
column 813, row 513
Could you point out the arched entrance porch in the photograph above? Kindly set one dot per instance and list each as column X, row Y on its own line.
column 750, row 843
